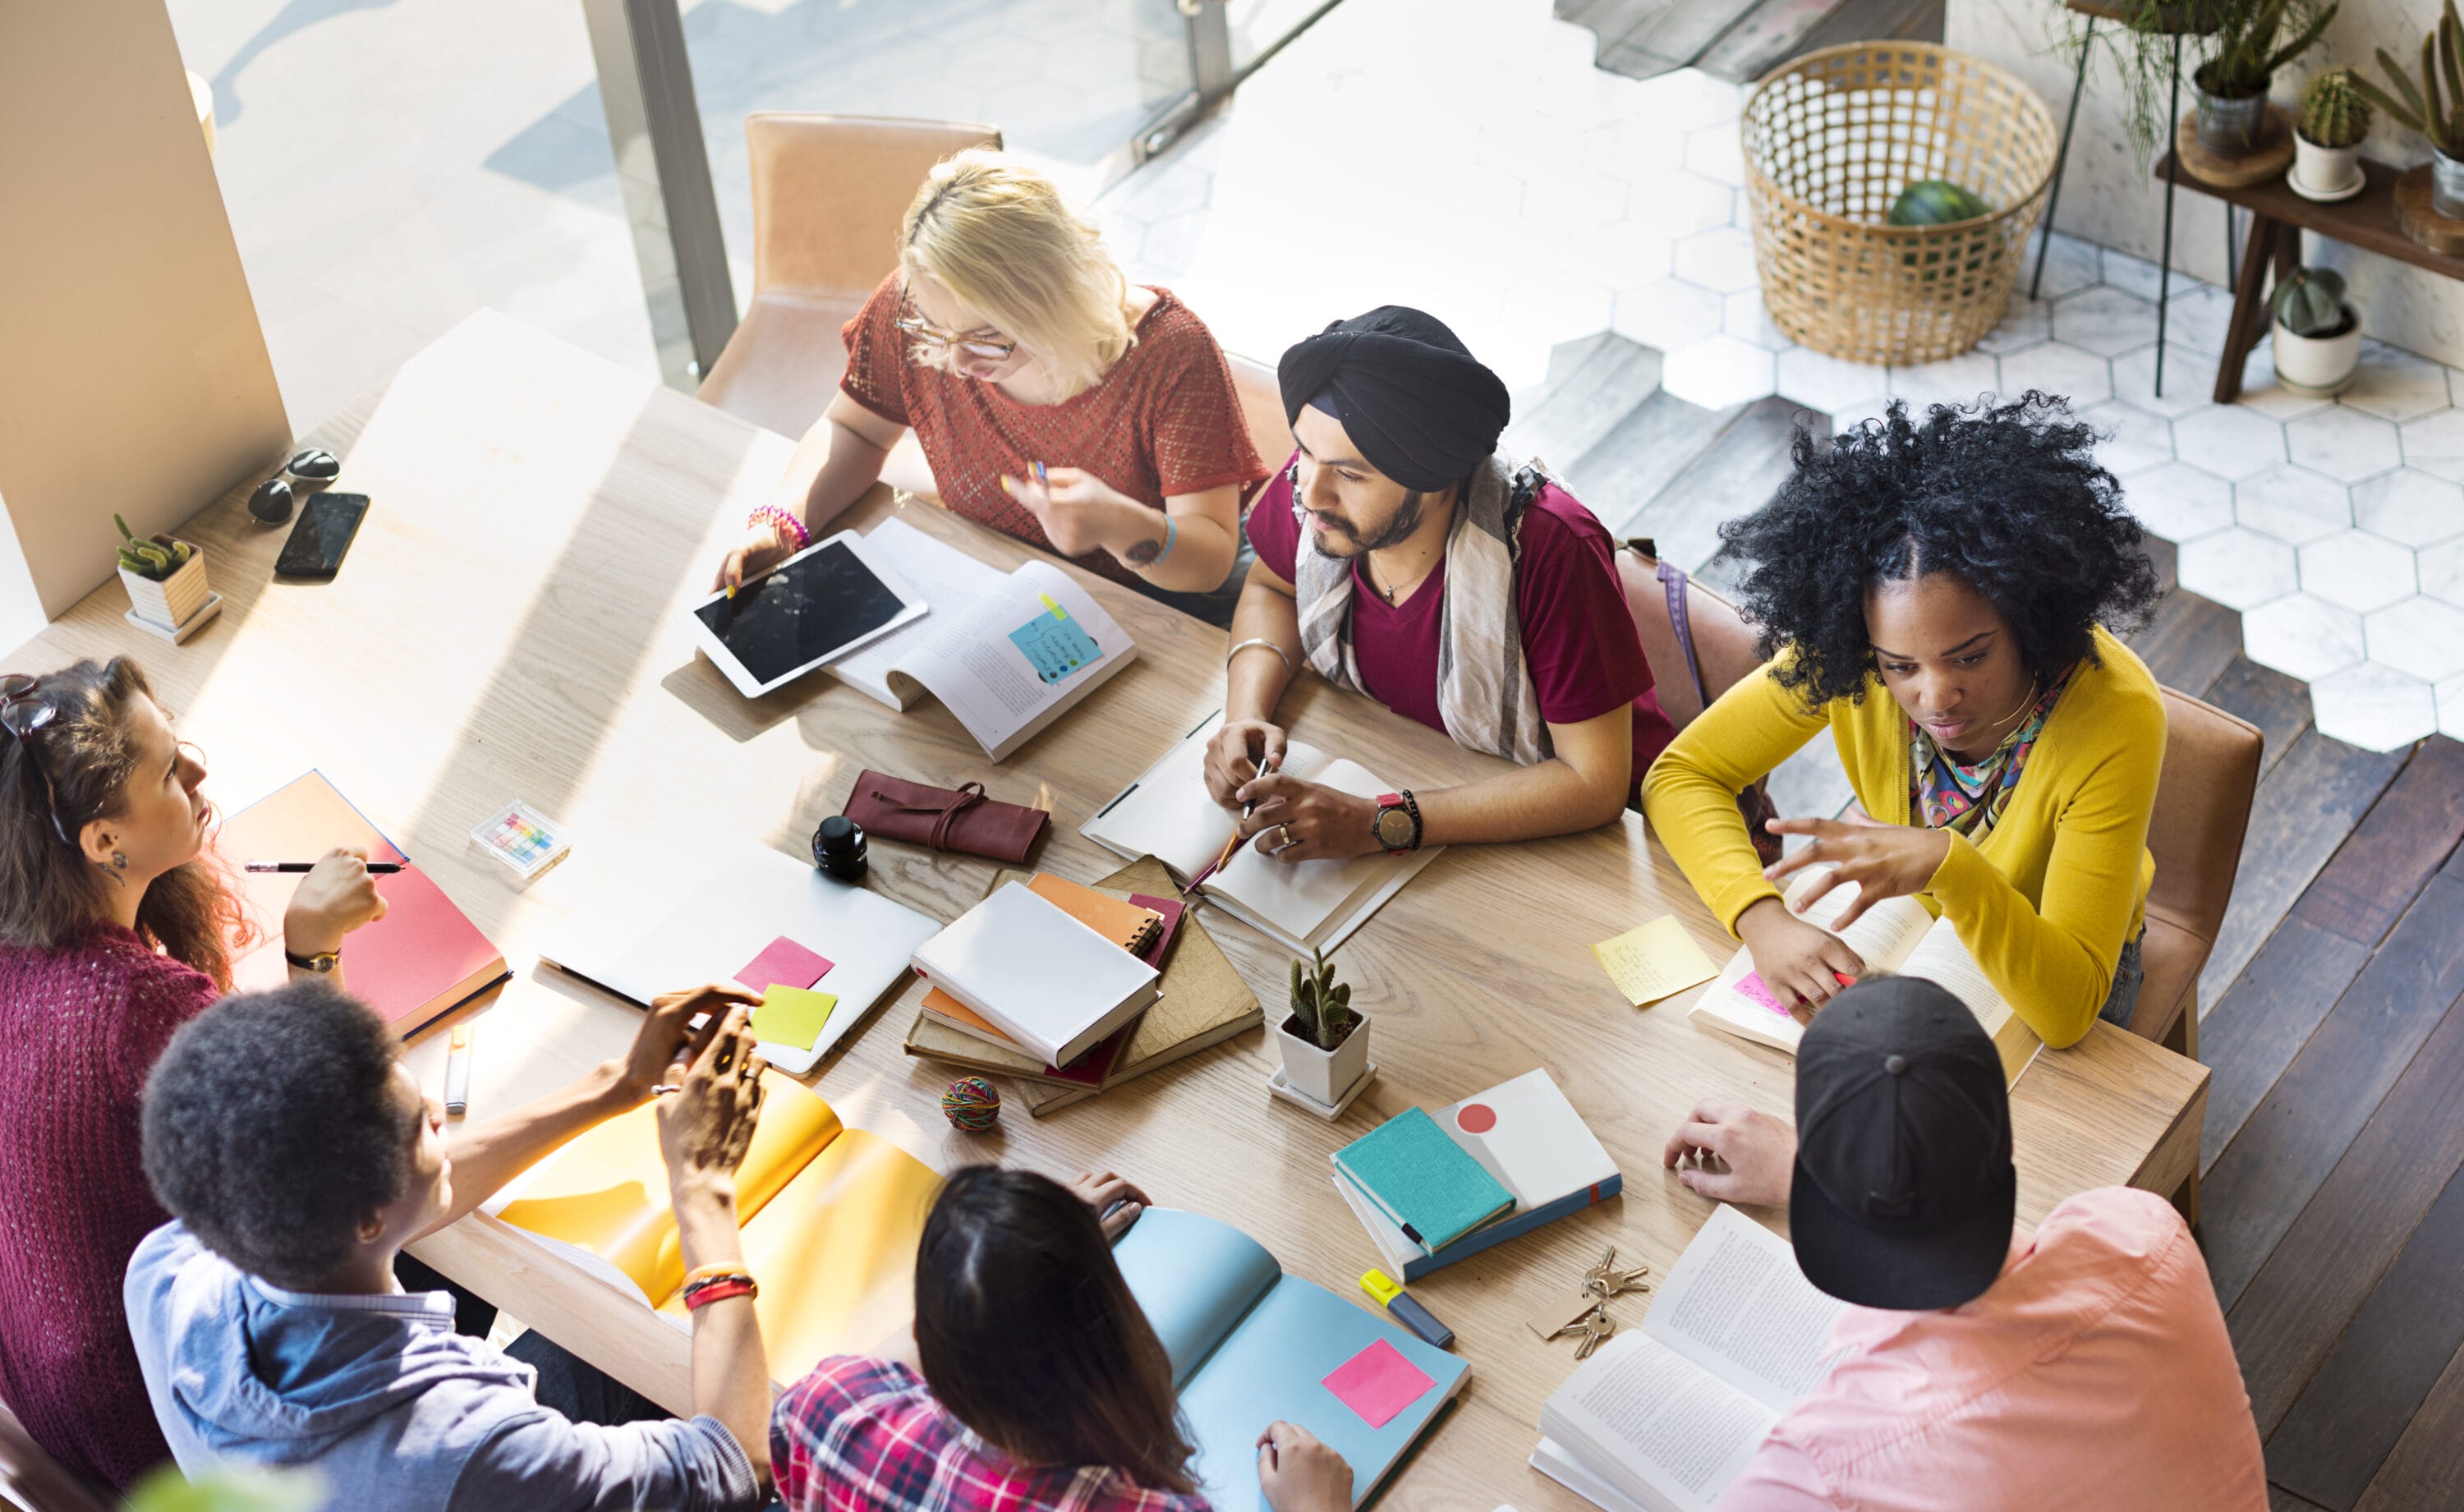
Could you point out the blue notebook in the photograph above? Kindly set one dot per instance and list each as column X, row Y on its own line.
column 1424, row 1182
column 1251, row 1344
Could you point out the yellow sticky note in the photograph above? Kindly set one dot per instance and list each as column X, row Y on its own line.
column 1058, row 612
column 1649, row 963
column 793, row 1015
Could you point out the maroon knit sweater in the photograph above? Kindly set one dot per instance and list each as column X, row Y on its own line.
column 80, row 1027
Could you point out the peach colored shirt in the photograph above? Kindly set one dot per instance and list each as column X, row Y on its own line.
column 2095, row 1373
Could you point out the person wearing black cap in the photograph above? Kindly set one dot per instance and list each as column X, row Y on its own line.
column 1401, row 555
column 1980, row 1368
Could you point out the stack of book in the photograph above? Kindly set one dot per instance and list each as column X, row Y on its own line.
column 1202, row 1000
column 1432, row 1189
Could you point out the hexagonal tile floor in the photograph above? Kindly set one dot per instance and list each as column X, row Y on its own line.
column 1578, row 201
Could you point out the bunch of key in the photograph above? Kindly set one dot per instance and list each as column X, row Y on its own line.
column 1591, row 1323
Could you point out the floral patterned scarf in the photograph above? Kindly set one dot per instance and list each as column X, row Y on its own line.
column 1967, row 798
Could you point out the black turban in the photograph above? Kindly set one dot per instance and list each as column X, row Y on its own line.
column 1419, row 406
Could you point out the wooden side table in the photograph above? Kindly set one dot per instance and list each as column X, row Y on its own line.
column 2278, row 218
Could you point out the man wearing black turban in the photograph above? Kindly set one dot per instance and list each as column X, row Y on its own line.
column 1401, row 555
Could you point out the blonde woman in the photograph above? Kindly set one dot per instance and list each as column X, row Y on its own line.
column 1054, row 401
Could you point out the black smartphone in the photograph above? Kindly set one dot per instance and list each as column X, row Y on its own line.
column 324, row 532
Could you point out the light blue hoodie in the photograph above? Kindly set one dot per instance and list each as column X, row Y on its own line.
column 388, row 1403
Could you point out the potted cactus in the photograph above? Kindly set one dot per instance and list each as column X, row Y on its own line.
column 165, row 579
column 2242, row 59
column 2327, row 137
column 1325, row 1041
column 2436, row 112
column 2318, row 339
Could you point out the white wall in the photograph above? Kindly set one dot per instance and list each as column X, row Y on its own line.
column 2111, row 198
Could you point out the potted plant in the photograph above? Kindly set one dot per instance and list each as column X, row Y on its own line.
column 2327, row 137
column 2242, row 59
column 2317, row 337
column 165, row 578
column 1325, row 1041
column 2436, row 112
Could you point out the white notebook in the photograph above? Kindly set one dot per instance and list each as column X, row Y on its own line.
column 1665, row 1415
column 1308, row 905
column 1042, row 977
column 1007, row 652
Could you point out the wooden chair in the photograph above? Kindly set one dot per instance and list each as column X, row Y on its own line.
column 31, row 1476
column 1723, row 643
column 1261, row 407
column 827, row 195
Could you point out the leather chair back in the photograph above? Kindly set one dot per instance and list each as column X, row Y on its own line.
column 2203, row 799
column 1723, row 643
column 30, row 1475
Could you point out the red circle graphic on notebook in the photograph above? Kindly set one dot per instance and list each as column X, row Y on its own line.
column 1475, row 1117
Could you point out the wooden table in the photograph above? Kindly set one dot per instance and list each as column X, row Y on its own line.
column 2278, row 218
column 510, row 624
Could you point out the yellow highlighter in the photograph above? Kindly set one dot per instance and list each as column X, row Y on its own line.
column 1406, row 1310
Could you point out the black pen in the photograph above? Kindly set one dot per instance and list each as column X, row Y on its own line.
column 380, row 868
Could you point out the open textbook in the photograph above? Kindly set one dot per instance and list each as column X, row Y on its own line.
column 831, row 1218
column 1894, row 937
column 1251, row 1344
column 1308, row 905
column 1005, row 652
column 1664, row 1417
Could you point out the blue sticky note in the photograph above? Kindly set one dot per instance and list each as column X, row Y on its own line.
column 1054, row 646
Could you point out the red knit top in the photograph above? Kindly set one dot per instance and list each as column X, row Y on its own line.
column 80, row 1027
column 1163, row 422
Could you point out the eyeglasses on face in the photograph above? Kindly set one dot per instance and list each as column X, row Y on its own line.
column 913, row 324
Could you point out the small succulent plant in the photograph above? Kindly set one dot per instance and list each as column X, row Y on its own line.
column 1322, row 1004
column 156, row 559
column 2436, row 112
column 2311, row 302
column 2333, row 112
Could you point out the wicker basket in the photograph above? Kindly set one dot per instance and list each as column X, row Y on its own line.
column 1829, row 141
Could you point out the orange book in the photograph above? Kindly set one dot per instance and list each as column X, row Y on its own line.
column 1133, row 927
column 423, row 958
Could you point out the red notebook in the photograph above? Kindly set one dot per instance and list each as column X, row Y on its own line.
column 421, row 959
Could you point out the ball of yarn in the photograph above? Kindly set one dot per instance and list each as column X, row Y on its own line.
column 971, row 1104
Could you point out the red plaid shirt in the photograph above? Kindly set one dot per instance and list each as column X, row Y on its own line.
column 861, row 1436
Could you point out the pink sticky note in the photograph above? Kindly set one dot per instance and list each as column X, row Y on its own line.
column 1752, row 986
column 1378, row 1383
column 786, row 963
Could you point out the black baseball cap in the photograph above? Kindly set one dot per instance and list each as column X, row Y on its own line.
column 1903, row 1190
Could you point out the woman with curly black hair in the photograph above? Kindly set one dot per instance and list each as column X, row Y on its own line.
column 1941, row 593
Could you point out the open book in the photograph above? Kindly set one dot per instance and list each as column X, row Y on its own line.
column 1308, row 905
column 1894, row 937
column 1251, row 1344
column 1664, row 1417
column 1007, row 653
column 831, row 1218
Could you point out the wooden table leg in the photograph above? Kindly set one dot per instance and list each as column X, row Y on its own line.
column 2249, row 305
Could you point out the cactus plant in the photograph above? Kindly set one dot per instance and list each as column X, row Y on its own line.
column 2333, row 112
column 2437, row 113
column 1322, row 1004
column 2311, row 302
column 152, row 559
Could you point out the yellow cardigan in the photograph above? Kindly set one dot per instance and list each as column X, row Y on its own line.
column 2045, row 902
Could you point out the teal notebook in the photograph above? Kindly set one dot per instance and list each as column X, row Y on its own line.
column 1251, row 1344
column 1431, row 1187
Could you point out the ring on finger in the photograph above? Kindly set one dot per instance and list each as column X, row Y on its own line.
column 1289, row 839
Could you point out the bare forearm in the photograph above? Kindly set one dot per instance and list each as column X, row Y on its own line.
column 1254, row 679
column 842, row 465
column 1550, row 798
column 731, row 1369
column 492, row 1151
column 1201, row 553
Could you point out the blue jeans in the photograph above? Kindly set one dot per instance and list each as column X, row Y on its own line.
column 1214, row 604
column 2124, row 999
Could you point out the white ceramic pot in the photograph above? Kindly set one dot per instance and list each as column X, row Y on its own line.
column 1323, row 1076
column 2324, row 173
column 174, row 600
column 2318, row 364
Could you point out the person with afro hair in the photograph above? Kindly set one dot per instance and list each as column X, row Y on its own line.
column 1942, row 595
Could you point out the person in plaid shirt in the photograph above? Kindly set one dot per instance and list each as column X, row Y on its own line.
column 1042, row 1385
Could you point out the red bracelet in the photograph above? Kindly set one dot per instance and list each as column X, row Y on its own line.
column 786, row 524
column 697, row 1298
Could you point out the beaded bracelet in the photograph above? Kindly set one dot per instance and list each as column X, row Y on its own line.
column 785, row 523
column 713, row 1272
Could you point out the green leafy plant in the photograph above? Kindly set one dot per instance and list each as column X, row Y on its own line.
column 2333, row 112
column 2435, row 111
column 1321, row 1004
column 155, row 559
column 2310, row 302
column 2243, row 55
column 241, row 1488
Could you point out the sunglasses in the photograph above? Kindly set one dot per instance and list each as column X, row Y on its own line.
column 274, row 498
column 24, row 708
column 912, row 325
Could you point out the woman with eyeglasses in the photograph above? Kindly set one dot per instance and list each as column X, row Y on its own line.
column 1053, row 399
column 114, row 930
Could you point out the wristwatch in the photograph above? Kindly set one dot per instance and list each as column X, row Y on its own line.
column 1398, row 825
column 323, row 963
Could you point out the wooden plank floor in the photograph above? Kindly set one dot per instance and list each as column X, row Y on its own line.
column 2333, row 1196
column 1739, row 39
